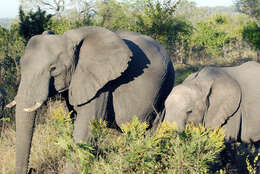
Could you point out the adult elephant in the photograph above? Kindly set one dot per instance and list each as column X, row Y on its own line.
column 228, row 97
column 107, row 75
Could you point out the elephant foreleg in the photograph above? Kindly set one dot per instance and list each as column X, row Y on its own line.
column 95, row 110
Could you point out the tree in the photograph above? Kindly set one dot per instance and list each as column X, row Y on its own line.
column 114, row 15
column 249, row 7
column 32, row 24
column 11, row 49
column 56, row 7
column 157, row 18
column 62, row 8
column 251, row 33
column 158, row 21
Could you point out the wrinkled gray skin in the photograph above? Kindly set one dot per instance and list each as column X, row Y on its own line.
column 109, row 76
column 227, row 97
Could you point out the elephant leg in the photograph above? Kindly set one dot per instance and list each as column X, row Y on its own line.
column 157, row 119
column 95, row 110
column 71, row 109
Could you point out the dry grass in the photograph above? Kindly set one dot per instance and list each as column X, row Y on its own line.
column 46, row 156
column 7, row 151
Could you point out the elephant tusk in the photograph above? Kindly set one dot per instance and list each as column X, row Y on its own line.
column 33, row 108
column 12, row 104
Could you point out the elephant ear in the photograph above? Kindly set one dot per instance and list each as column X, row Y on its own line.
column 223, row 96
column 103, row 57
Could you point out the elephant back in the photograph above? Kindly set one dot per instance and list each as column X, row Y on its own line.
column 247, row 75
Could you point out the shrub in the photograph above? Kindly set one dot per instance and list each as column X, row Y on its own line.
column 134, row 151
column 251, row 33
column 33, row 23
column 61, row 25
column 252, row 167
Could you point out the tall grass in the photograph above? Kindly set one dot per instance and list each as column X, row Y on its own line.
column 167, row 150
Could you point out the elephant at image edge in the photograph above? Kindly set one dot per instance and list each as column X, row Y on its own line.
column 228, row 97
column 109, row 76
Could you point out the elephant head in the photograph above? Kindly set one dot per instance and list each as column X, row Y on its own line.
column 81, row 61
column 209, row 97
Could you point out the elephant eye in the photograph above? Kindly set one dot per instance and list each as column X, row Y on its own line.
column 189, row 112
column 53, row 68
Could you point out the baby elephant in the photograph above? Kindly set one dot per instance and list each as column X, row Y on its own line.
column 228, row 97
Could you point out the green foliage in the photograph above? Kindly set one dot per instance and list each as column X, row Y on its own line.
column 213, row 34
column 32, row 23
column 157, row 21
column 61, row 25
column 252, row 167
column 114, row 15
column 209, row 37
column 134, row 151
column 12, row 46
column 220, row 19
column 5, row 119
column 240, row 158
column 251, row 33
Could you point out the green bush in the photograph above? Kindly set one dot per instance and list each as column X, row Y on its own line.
column 61, row 25
column 209, row 37
column 12, row 46
column 219, row 37
column 134, row 151
column 251, row 33
column 32, row 23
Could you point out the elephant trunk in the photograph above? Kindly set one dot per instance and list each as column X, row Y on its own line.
column 24, row 132
column 27, row 100
column 181, row 125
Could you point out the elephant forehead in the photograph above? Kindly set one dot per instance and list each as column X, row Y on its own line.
column 46, row 42
column 176, row 100
column 182, row 96
column 43, row 48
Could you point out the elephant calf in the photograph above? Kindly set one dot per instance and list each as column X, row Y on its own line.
column 228, row 97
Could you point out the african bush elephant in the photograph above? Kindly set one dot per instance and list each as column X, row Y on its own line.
column 228, row 97
column 107, row 75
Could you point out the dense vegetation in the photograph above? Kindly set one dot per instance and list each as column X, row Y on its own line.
column 193, row 36
column 133, row 151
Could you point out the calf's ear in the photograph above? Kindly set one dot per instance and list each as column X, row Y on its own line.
column 223, row 99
